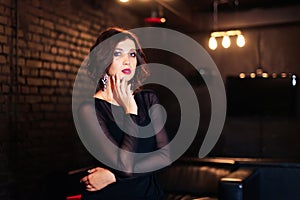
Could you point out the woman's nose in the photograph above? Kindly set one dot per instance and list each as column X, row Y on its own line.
column 126, row 59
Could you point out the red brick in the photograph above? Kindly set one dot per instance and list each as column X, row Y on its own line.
column 8, row 30
column 6, row 49
column 47, row 91
column 34, row 63
column 3, row 39
column 47, row 56
column 49, row 24
column 36, row 38
column 54, row 82
column 60, row 67
column 64, row 44
column 3, row 59
column 35, row 45
column 34, row 81
column 5, row 70
column 33, row 99
column 5, row 89
column 22, row 80
column 53, row 50
column 21, row 61
column 61, row 51
column 53, row 34
column 46, row 82
column 3, row 20
column 1, row 28
column 47, row 107
column 36, row 29
column 86, row 36
column 2, row 9
column 60, row 75
column 46, row 65
column 46, row 73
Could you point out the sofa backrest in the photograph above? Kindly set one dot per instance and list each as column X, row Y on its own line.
column 195, row 177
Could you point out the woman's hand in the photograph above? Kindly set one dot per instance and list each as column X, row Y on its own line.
column 123, row 95
column 98, row 179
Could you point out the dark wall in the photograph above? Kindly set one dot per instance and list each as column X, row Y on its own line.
column 276, row 49
column 42, row 46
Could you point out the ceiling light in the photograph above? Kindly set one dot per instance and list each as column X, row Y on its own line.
column 212, row 43
column 226, row 41
column 240, row 41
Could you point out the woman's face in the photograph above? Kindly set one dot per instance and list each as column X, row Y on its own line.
column 124, row 60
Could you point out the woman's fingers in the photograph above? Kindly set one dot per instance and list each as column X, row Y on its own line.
column 84, row 179
column 123, row 86
column 128, row 90
column 120, row 86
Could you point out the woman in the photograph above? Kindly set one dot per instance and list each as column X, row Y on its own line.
column 118, row 53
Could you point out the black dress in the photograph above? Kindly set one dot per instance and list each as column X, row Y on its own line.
column 131, row 186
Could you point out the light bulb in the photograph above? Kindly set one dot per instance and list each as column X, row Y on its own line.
column 163, row 20
column 212, row 43
column 240, row 41
column 294, row 82
column 242, row 75
column 226, row 41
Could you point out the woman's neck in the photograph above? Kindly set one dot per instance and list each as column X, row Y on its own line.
column 106, row 94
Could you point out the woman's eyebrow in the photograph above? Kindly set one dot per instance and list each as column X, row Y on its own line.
column 120, row 49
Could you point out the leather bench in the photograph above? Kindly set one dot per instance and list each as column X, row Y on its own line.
column 207, row 179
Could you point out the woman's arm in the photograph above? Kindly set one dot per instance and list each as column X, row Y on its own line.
column 122, row 158
column 99, row 139
column 161, row 157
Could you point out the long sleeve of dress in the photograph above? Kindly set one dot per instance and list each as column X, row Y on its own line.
column 117, row 151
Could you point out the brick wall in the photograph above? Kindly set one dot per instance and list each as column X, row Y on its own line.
column 42, row 45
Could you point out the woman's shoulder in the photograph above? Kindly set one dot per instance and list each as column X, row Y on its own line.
column 147, row 95
column 86, row 106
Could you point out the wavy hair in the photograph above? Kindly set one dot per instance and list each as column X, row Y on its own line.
column 101, row 56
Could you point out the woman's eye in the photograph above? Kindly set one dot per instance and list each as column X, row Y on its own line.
column 133, row 54
column 117, row 53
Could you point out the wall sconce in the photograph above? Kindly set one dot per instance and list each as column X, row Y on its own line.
column 240, row 40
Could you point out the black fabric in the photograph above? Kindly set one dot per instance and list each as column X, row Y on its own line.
column 129, row 185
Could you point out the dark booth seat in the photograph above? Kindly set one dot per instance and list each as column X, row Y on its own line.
column 208, row 179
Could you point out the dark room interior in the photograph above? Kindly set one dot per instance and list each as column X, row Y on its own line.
column 257, row 156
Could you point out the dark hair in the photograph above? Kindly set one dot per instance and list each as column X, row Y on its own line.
column 101, row 56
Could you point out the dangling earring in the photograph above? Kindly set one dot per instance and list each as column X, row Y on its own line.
column 104, row 81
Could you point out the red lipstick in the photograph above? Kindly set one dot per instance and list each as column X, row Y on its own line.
column 126, row 71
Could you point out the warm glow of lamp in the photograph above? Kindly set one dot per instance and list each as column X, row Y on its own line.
column 123, row 1
column 252, row 75
column 163, row 20
column 240, row 41
column 226, row 41
column 212, row 43
column 242, row 75
column 265, row 75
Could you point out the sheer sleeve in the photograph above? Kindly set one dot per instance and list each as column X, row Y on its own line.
column 161, row 157
column 98, row 138
column 119, row 156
